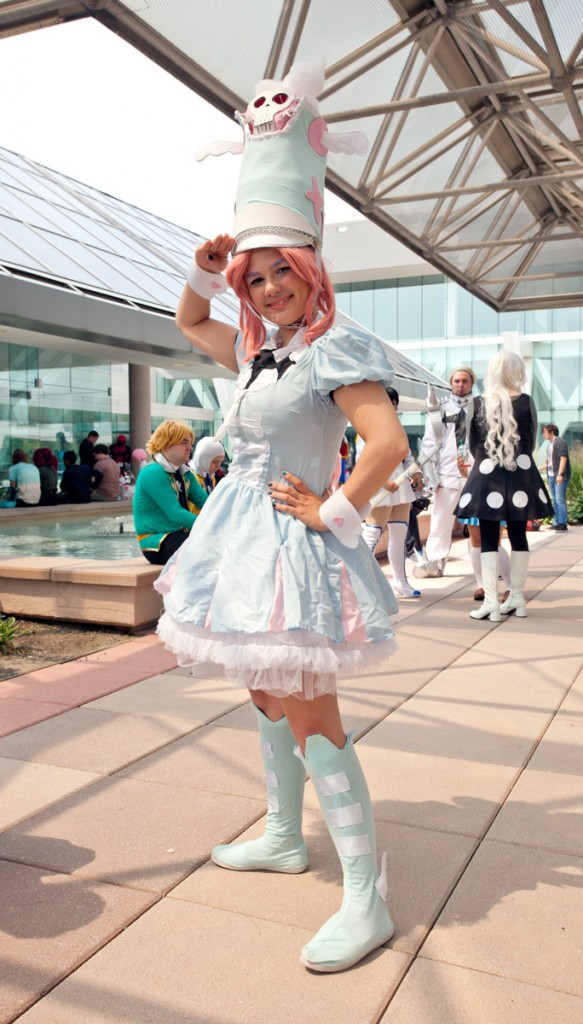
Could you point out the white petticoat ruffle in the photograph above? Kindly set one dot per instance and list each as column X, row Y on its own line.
column 296, row 663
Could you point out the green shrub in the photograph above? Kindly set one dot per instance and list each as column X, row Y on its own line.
column 10, row 630
column 575, row 488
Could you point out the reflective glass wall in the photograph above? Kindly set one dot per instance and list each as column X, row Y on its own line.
column 421, row 315
column 53, row 399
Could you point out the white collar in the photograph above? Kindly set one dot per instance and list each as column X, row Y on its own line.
column 297, row 344
column 169, row 466
column 461, row 400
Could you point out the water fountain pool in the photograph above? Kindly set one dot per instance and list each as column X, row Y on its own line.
column 104, row 537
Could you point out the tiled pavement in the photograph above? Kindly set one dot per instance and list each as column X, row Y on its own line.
column 119, row 773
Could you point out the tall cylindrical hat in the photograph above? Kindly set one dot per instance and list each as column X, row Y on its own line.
column 280, row 197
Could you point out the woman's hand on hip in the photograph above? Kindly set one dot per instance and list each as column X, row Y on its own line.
column 292, row 497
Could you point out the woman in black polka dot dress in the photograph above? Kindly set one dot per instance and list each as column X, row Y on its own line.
column 504, row 483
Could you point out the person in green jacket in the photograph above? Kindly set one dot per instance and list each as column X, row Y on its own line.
column 168, row 497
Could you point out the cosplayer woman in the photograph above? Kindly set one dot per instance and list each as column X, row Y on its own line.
column 504, row 483
column 278, row 586
column 392, row 511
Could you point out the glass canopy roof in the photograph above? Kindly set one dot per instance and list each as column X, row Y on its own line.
column 60, row 232
column 472, row 109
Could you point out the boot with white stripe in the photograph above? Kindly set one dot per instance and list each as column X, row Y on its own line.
column 282, row 848
column 363, row 922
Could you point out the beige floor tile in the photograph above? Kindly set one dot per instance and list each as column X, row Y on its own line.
column 517, row 912
column 183, row 698
column 489, row 676
column 212, row 759
column 187, row 964
column 561, row 748
column 434, row 993
column 28, row 787
column 243, row 717
column 545, row 809
column 573, row 703
column 141, row 834
column 97, row 741
column 461, row 730
column 422, row 869
column 436, row 793
column 368, row 699
column 49, row 924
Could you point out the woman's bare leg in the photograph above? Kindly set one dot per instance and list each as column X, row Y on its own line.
column 266, row 702
column 318, row 717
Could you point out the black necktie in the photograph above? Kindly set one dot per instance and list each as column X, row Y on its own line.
column 460, row 427
column 181, row 488
column 265, row 360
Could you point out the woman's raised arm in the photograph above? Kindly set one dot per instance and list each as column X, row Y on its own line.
column 213, row 338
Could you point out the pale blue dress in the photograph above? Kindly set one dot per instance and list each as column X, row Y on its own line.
column 281, row 607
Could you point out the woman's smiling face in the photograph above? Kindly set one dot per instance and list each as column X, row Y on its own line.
column 277, row 292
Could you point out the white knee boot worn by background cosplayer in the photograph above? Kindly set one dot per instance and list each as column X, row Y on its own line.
column 363, row 922
column 491, row 604
column 396, row 552
column 518, row 573
column 282, row 848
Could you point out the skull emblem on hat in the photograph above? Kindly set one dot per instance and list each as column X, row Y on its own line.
column 270, row 110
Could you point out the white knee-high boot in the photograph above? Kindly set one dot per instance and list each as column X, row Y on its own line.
column 371, row 535
column 490, row 605
column 396, row 552
column 505, row 567
column 518, row 573
column 282, row 848
column 476, row 564
column 363, row 922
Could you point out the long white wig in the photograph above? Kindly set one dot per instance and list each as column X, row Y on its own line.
column 505, row 372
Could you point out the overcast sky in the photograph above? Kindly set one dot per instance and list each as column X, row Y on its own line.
column 80, row 100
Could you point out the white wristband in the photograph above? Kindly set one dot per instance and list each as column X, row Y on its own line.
column 205, row 284
column 343, row 519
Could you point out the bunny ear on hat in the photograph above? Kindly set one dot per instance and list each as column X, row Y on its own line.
column 280, row 197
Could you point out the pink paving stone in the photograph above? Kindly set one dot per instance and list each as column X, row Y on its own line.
column 85, row 679
column 18, row 713
column 36, row 696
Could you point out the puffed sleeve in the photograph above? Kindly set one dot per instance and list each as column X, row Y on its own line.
column 348, row 355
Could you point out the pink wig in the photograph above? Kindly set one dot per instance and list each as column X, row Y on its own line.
column 320, row 300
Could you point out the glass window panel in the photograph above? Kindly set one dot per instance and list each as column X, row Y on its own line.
column 363, row 304
column 51, row 260
column 386, row 310
column 458, row 311
column 343, row 299
column 436, row 360
column 513, row 320
column 434, row 305
column 12, row 253
column 484, row 319
column 410, row 308
column 480, row 357
column 566, row 374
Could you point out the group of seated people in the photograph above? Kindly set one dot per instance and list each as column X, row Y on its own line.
column 36, row 482
column 169, row 493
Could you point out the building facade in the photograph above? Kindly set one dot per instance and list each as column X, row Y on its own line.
column 439, row 324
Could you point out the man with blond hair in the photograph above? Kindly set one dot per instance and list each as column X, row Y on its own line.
column 168, row 496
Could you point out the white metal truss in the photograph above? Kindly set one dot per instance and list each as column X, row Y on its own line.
column 473, row 110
